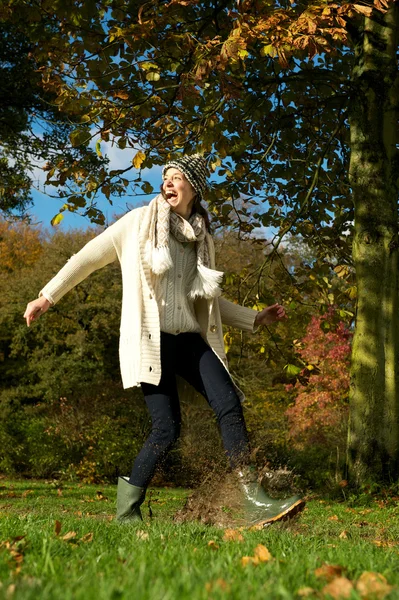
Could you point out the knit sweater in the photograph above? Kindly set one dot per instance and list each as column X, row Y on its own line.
column 139, row 347
column 176, row 310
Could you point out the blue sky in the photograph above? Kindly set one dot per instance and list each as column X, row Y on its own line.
column 47, row 205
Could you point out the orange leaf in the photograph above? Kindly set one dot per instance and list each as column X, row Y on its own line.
column 373, row 585
column 69, row 536
column 232, row 535
column 338, row 588
column 262, row 553
column 121, row 94
column 212, row 544
column 88, row 537
column 343, row 535
column 333, row 518
column 57, row 527
column 249, row 560
column 305, row 592
column 328, row 572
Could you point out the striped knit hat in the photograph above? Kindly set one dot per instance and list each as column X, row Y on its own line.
column 194, row 168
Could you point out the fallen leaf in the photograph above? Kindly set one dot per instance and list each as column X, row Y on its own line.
column 69, row 536
column 305, row 592
column 249, row 560
column 57, row 528
column 373, row 586
column 343, row 483
column 232, row 535
column 10, row 590
column 100, row 496
column 142, row 535
column 88, row 537
column 338, row 588
column 262, row 553
column 343, row 535
column 59, row 492
column 212, row 544
column 385, row 543
column 219, row 583
column 26, row 493
column 328, row 572
column 333, row 518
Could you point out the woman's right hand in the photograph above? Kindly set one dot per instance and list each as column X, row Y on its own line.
column 35, row 309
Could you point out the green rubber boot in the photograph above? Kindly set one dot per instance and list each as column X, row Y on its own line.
column 260, row 509
column 129, row 499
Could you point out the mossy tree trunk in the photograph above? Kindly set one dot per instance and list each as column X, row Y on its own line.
column 373, row 443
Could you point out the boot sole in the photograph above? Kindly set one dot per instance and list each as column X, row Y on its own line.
column 291, row 512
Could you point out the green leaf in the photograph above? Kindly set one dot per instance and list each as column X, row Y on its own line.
column 79, row 137
column 292, row 370
column 98, row 149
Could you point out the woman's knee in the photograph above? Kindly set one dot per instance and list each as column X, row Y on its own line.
column 165, row 437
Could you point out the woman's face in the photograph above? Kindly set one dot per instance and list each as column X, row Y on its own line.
column 178, row 191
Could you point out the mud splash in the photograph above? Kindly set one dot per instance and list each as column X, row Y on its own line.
column 218, row 501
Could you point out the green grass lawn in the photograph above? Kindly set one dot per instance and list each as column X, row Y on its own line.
column 60, row 541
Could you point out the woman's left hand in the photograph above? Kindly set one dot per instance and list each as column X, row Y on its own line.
column 270, row 314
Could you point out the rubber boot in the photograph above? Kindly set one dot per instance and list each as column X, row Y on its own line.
column 129, row 499
column 260, row 509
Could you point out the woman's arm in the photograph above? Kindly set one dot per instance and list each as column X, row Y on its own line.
column 97, row 253
column 246, row 318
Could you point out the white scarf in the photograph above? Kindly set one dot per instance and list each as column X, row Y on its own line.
column 157, row 254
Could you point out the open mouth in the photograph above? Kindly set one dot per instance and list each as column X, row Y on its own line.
column 170, row 195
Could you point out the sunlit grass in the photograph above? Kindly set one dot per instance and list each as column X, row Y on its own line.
column 74, row 549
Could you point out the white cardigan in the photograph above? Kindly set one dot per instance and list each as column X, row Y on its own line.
column 139, row 347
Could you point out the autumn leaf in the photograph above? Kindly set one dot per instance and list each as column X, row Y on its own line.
column 232, row 535
column 71, row 535
column 56, row 220
column 339, row 588
column 138, row 159
column 328, row 572
column 262, row 553
column 248, row 560
column 88, row 537
column 121, row 94
column 142, row 535
column 333, row 518
column 367, row 11
column 373, row 586
column 218, row 583
column 304, row 592
column 57, row 527
column 343, row 535
column 212, row 544
column 100, row 496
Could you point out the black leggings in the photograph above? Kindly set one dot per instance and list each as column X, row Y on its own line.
column 188, row 355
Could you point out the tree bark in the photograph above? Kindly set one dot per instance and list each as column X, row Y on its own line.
column 373, row 441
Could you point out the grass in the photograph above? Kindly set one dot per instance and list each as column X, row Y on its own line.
column 160, row 560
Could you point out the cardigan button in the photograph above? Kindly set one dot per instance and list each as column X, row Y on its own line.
column 213, row 328
column 150, row 296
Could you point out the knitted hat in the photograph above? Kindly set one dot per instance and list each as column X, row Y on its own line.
column 194, row 168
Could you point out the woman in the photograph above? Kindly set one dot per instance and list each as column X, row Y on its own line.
column 171, row 324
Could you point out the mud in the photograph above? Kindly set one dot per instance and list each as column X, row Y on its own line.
column 218, row 501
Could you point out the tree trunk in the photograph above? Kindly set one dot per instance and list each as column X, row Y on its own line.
column 373, row 442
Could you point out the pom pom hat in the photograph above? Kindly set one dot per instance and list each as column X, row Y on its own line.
column 194, row 168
